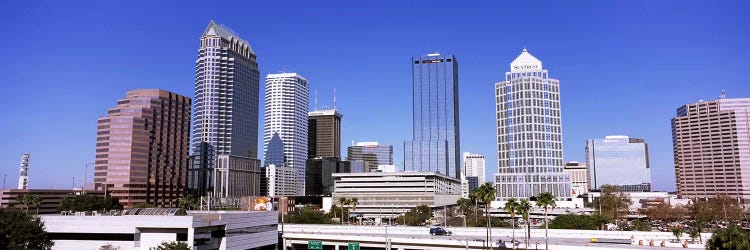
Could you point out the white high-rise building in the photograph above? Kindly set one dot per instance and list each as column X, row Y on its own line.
column 474, row 166
column 529, row 132
column 286, row 110
column 282, row 181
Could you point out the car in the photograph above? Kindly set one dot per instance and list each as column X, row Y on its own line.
column 439, row 231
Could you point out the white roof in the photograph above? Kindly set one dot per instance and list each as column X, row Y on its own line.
column 525, row 62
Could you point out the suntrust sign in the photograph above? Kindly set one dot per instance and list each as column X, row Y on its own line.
column 525, row 67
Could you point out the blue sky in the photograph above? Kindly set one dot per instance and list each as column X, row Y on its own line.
column 624, row 66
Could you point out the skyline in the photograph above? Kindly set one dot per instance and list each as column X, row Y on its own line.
column 699, row 53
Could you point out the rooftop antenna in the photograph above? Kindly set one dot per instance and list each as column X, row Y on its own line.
column 334, row 98
column 723, row 94
column 316, row 100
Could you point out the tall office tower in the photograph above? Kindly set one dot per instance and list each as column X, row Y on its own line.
column 529, row 132
column 436, row 143
column 142, row 148
column 474, row 166
column 324, row 134
column 712, row 149
column 225, row 118
column 286, row 114
column 619, row 161
column 579, row 177
column 369, row 155
column 23, row 178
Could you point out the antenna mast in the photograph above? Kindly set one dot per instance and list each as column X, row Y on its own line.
column 723, row 94
column 316, row 100
column 334, row 98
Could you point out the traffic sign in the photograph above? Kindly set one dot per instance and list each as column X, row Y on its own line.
column 353, row 246
column 315, row 244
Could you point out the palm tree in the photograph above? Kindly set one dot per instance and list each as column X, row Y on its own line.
column 342, row 203
column 29, row 200
column 546, row 200
column 36, row 202
column 354, row 202
column 464, row 205
column 694, row 234
column 524, row 207
column 486, row 194
column 677, row 232
column 732, row 237
column 474, row 196
column 511, row 205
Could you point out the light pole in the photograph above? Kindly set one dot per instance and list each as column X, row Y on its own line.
column 74, row 182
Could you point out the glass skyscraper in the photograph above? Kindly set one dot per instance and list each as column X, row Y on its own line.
column 619, row 161
column 225, row 117
column 436, row 142
column 529, row 132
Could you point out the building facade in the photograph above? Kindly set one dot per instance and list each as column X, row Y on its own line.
column 147, row 228
column 436, row 141
column 529, row 132
column 324, row 134
column 388, row 195
column 474, row 166
column 286, row 114
column 142, row 148
column 319, row 175
column 712, row 149
column 578, row 177
column 280, row 180
column 619, row 161
column 370, row 155
column 225, row 118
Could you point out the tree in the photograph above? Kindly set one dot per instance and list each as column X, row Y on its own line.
column 342, row 203
column 612, row 204
column 722, row 207
column 143, row 205
column 577, row 221
column 308, row 215
column 665, row 212
column 88, row 202
column 464, row 206
column 546, row 200
column 172, row 245
column 694, row 234
column 189, row 202
column 29, row 200
column 486, row 194
column 677, row 232
column 524, row 207
column 730, row 238
column 416, row 216
column 353, row 202
column 19, row 231
column 511, row 206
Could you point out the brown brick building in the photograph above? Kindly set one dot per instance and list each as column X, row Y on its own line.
column 142, row 148
column 324, row 134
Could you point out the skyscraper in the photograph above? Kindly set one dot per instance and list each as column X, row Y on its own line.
column 474, row 166
column 324, row 134
column 712, row 149
column 225, row 118
column 529, row 132
column 286, row 114
column 436, row 143
column 142, row 148
column 369, row 155
column 619, row 161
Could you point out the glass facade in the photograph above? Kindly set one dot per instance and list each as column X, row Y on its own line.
column 435, row 146
column 370, row 154
column 620, row 161
column 225, row 117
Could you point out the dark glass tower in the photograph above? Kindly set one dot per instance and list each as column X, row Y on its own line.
column 436, row 143
column 225, row 121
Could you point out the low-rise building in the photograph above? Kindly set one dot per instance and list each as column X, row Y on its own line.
column 50, row 198
column 390, row 194
column 578, row 177
column 148, row 227
column 318, row 175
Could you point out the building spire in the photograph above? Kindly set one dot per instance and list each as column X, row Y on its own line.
column 723, row 94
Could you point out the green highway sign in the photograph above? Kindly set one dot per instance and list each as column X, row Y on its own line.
column 315, row 244
column 353, row 246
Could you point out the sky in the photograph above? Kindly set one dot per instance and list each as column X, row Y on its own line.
column 624, row 66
